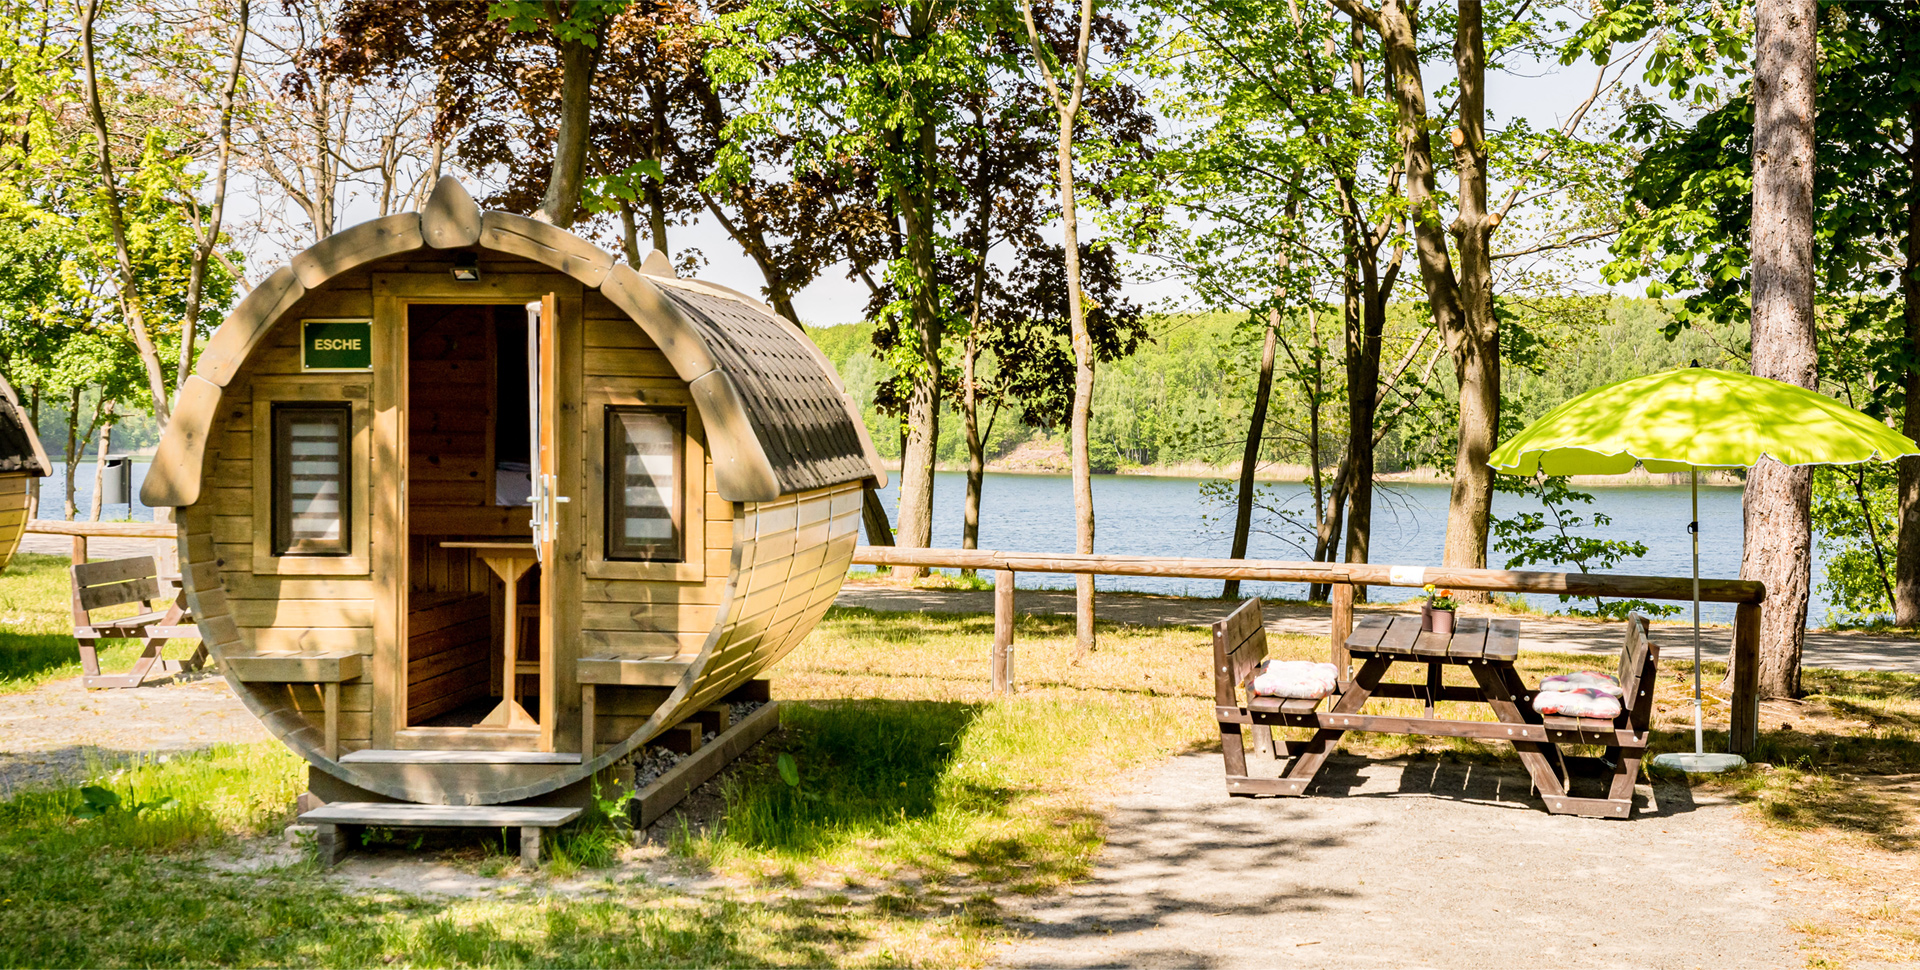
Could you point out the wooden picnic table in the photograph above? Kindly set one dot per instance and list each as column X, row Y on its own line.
column 1487, row 649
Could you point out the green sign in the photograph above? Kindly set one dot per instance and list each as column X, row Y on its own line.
column 336, row 345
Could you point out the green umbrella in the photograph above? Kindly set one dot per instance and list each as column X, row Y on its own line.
column 1688, row 419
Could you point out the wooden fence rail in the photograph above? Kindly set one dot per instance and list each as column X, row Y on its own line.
column 1747, row 596
column 82, row 531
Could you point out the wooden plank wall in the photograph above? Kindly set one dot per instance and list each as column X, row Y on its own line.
column 15, row 487
column 793, row 556
column 246, row 613
column 621, row 614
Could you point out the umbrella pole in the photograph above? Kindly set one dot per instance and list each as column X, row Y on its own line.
column 1699, row 740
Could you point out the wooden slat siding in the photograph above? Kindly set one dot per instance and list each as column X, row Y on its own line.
column 13, row 513
column 302, row 613
column 307, row 640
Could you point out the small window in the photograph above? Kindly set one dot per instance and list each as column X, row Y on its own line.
column 644, row 475
column 312, row 508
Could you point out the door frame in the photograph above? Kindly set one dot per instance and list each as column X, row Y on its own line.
column 393, row 293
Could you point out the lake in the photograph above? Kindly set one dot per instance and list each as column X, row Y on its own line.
column 1151, row 516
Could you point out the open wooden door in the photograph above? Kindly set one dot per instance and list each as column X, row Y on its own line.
column 543, row 363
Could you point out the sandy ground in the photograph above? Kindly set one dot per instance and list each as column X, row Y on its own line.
column 1410, row 864
column 1834, row 651
column 55, row 733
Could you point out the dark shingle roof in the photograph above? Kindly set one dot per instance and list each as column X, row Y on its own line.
column 794, row 406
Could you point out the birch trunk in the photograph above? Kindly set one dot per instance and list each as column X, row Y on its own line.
column 1250, row 458
column 1779, row 531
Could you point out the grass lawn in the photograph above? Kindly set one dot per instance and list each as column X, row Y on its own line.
column 922, row 807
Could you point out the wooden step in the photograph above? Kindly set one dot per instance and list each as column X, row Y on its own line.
column 406, row 815
column 391, row 756
column 334, row 824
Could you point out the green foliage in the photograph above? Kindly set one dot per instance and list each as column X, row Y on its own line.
column 1855, row 516
column 1549, row 537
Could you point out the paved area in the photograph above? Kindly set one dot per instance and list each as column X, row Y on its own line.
column 1409, row 864
column 54, row 733
column 1834, row 651
column 96, row 548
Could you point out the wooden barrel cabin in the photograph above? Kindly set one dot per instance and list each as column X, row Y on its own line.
column 469, row 510
column 22, row 464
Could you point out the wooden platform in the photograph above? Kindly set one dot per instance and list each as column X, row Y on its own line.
column 392, row 756
column 338, row 823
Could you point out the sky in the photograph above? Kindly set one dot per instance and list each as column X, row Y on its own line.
column 1543, row 93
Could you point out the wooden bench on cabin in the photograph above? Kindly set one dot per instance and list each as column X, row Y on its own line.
column 135, row 581
column 337, row 824
column 1487, row 650
column 327, row 671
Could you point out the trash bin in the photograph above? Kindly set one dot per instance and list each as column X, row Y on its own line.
column 116, row 483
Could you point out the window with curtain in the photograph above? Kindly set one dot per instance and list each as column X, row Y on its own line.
column 645, row 454
column 312, row 508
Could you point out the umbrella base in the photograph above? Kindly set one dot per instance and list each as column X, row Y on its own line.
column 1699, row 764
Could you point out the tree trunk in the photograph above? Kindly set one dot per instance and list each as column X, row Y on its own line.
column 1461, row 305
column 1779, row 531
column 1475, row 340
column 873, row 514
column 1066, row 107
column 577, row 62
column 100, row 464
column 1250, row 457
column 1366, row 321
column 129, row 295
column 923, row 405
column 72, row 457
column 1906, row 586
column 210, row 234
column 976, row 444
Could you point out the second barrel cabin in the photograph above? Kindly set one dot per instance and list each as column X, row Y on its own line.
column 468, row 510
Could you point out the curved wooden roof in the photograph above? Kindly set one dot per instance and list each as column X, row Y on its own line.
column 778, row 420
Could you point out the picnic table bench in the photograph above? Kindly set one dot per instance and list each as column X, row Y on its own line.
column 1485, row 648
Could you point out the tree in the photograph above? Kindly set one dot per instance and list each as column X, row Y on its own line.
column 870, row 92
column 1066, row 104
column 1456, row 257
column 1693, row 228
column 132, row 312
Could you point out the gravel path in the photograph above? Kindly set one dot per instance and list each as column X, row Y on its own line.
column 1410, row 864
column 1834, row 651
column 56, row 733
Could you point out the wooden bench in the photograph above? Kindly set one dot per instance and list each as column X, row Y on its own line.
column 1487, row 650
column 136, row 581
column 337, row 825
column 327, row 670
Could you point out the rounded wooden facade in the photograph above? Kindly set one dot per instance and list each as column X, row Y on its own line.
column 706, row 475
column 22, row 464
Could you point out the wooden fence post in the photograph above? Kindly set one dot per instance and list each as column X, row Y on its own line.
column 79, row 554
column 1743, row 733
column 1342, row 623
column 1003, row 631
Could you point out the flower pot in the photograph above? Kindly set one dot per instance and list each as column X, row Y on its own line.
column 1436, row 621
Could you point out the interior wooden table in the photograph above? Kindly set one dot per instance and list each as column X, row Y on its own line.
column 509, row 561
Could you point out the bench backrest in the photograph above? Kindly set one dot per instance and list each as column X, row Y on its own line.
column 1638, row 660
column 1239, row 646
column 115, row 582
